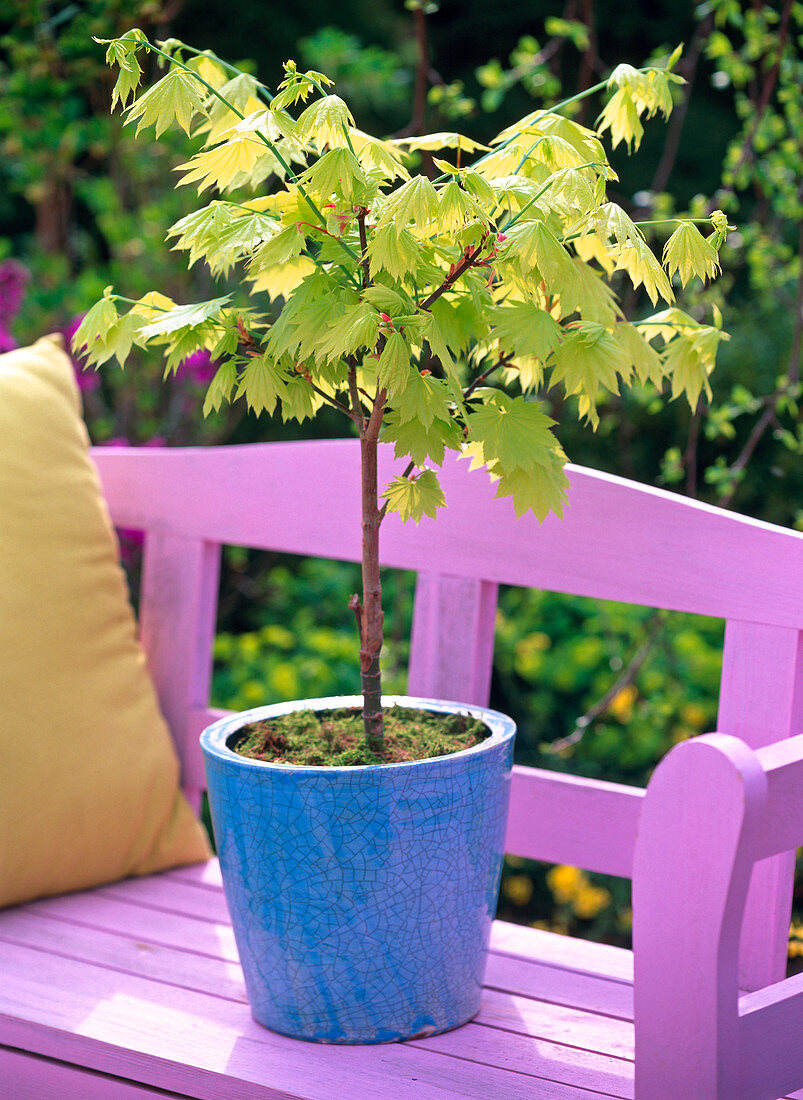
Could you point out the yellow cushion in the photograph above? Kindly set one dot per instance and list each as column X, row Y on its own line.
column 88, row 776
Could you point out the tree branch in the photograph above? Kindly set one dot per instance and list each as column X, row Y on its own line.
column 689, row 67
column 328, row 397
column 503, row 361
column 366, row 267
column 748, row 146
column 422, row 77
column 471, row 258
column 354, row 395
column 581, row 726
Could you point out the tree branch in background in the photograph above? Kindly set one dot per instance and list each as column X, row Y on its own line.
column 690, row 456
column 589, row 58
column 654, row 625
column 748, row 148
column 687, row 68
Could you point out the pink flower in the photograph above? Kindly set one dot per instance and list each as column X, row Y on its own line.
column 7, row 341
column 198, row 367
column 13, row 280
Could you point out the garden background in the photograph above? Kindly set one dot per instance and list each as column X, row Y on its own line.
column 601, row 690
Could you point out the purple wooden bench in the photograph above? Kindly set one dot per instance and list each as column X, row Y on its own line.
column 134, row 990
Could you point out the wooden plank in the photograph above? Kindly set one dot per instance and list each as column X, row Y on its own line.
column 761, row 701
column 571, row 1065
column 178, row 609
column 28, row 1077
column 559, row 985
column 771, row 1021
column 451, row 648
column 783, row 828
column 571, row 998
column 161, row 893
column 662, row 551
column 91, row 911
column 129, row 954
column 206, row 875
column 582, row 956
column 173, row 964
column 209, row 1047
column 581, row 997
column 562, row 818
column 178, row 924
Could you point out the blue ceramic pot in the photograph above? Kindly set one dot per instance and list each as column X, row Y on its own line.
column 361, row 898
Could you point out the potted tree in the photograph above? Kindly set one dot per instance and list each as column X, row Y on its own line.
column 411, row 305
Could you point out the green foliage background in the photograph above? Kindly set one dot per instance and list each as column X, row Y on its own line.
column 82, row 206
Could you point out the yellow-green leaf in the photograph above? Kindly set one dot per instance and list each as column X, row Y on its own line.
column 219, row 167
column 175, row 98
column 356, row 329
column 379, row 155
column 621, row 117
column 187, row 316
column 444, row 140
column 262, row 384
column 336, row 172
column 220, row 387
column 281, row 279
column 688, row 253
column 416, row 496
column 285, row 246
column 394, row 368
column 457, row 208
column 327, row 121
column 637, row 260
column 541, row 490
column 512, row 432
column 415, row 201
column 588, row 358
column 418, row 443
column 638, row 354
column 127, row 79
column 95, row 326
column 525, row 329
column 393, row 250
column 242, row 92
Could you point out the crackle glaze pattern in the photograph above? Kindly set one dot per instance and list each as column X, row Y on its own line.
column 361, row 898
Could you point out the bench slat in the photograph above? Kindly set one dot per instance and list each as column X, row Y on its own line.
column 26, row 1077
column 663, row 550
column 209, row 1047
column 562, row 818
column 771, row 1019
column 166, row 941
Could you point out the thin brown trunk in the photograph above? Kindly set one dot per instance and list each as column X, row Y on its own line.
column 53, row 215
column 370, row 615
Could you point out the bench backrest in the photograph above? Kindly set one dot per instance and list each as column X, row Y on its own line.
column 617, row 541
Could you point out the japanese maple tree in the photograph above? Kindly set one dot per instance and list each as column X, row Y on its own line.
column 411, row 305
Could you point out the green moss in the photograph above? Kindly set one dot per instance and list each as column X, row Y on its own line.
column 335, row 737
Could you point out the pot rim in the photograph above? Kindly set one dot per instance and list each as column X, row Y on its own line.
column 214, row 737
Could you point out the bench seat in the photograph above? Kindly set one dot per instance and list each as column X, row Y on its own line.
column 140, row 980
column 134, row 989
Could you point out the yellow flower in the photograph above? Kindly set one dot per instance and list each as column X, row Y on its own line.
column 564, row 882
column 518, row 889
column 694, row 715
column 621, row 706
column 589, row 901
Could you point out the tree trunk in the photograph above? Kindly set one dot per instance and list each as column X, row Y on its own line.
column 370, row 615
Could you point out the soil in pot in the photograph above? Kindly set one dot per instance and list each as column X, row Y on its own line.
column 335, row 738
